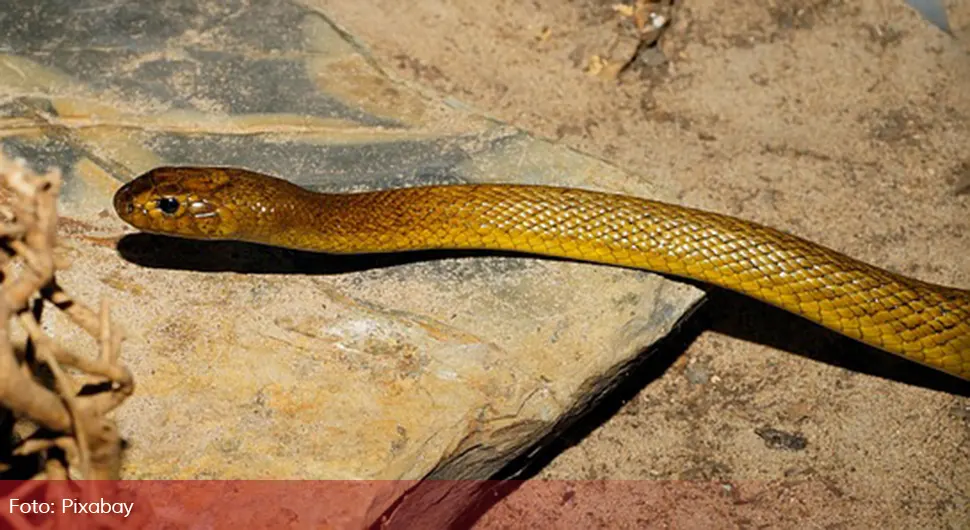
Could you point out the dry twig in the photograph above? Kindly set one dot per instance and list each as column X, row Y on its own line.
column 72, row 436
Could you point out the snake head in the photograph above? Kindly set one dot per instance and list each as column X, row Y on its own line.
column 183, row 202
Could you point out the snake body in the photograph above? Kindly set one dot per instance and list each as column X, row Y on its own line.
column 920, row 321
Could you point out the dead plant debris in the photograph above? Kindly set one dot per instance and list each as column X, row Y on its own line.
column 57, row 399
column 649, row 19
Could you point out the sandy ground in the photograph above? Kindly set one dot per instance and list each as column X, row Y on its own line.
column 843, row 122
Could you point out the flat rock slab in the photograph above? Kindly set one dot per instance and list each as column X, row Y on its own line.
column 262, row 363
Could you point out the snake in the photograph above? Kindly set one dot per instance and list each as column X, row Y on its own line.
column 920, row 321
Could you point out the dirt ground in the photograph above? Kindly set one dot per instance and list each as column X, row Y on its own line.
column 843, row 122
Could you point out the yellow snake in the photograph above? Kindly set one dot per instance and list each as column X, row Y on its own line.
column 920, row 321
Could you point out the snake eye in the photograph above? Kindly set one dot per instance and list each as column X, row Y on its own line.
column 168, row 205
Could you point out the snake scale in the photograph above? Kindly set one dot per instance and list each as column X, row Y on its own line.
column 920, row 321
